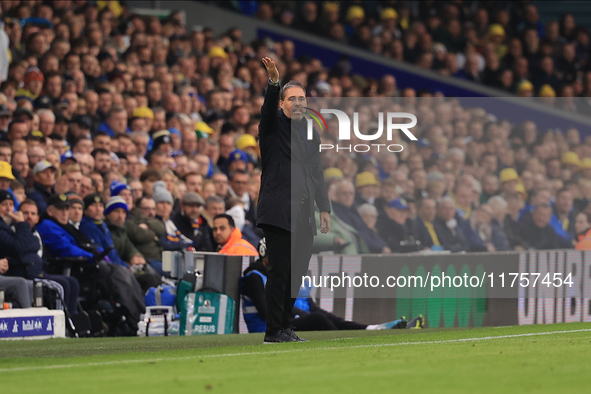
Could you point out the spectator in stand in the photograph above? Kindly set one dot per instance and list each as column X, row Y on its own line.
column 537, row 231
column 344, row 209
column 229, row 237
column 192, row 224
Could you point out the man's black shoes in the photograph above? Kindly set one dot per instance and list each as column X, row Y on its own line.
column 291, row 333
column 279, row 337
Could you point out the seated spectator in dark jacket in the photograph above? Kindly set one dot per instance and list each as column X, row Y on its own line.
column 145, row 231
column 344, row 208
column 447, row 227
column 510, row 224
column 116, row 213
column 44, row 185
column 424, row 224
column 34, row 262
column 192, row 224
column 491, row 235
column 96, row 229
column 392, row 227
column 536, row 229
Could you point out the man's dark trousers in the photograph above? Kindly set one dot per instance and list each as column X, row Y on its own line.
column 289, row 253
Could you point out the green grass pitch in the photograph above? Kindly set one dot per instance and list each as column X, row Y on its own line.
column 527, row 359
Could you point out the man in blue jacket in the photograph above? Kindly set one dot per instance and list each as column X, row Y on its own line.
column 61, row 238
column 44, row 185
column 96, row 229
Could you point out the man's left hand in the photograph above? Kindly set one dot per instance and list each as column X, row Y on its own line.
column 137, row 260
column 324, row 222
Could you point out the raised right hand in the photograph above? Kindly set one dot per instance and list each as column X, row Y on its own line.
column 271, row 69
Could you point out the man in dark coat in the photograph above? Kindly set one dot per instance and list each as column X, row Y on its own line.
column 447, row 227
column 192, row 224
column 292, row 179
column 393, row 227
column 536, row 229
column 344, row 208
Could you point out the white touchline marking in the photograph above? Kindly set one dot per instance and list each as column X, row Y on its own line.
column 290, row 351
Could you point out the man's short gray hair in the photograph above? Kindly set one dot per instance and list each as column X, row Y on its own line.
column 292, row 84
column 365, row 209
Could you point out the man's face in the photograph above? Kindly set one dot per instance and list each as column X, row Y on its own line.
column 4, row 183
column 59, row 214
column 30, row 214
column 221, row 184
column 118, row 122
column 74, row 181
column 564, row 201
column 294, row 103
column 117, row 217
column 239, row 182
column 369, row 191
column 75, row 213
column 194, row 183
column 141, row 145
column 5, row 154
column 157, row 162
column 464, row 197
column 163, row 209
column 398, row 215
column 46, row 177
column 346, row 195
column 6, row 207
column 4, row 120
column 226, row 146
column 221, row 230
column 215, row 208
column 541, row 216
column 148, row 207
column 446, row 210
column 85, row 186
column 127, row 196
column 102, row 163
column 192, row 211
column 20, row 162
column 95, row 211
column 83, row 146
column 427, row 211
column 18, row 131
column 36, row 155
column 102, row 141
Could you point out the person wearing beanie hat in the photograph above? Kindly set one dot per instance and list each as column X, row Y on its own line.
column 115, row 202
column 163, row 199
column 96, row 229
column 122, row 190
column 116, row 214
column 161, row 141
column 238, row 160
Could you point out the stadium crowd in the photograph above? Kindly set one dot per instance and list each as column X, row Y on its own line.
column 502, row 44
column 124, row 135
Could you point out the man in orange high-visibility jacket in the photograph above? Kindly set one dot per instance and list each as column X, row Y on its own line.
column 229, row 237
